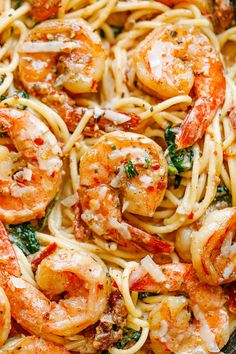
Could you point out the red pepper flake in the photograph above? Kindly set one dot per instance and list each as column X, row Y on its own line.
column 114, row 284
column 100, row 286
column 191, row 215
column 150, row 188
column 161, row 185
column 155, row 166
column 39, row 141
column 46, row 252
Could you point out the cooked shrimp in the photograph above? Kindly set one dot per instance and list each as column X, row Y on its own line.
column 29, row 176
column 78, row 276
column 32, row 344
column 170, row 321
column 43, row 9
column 223, row 15
column 5, row 317
column 123, row 168
column 204, row 5
column 213, row 248
column 62, row 54
column 173, row 60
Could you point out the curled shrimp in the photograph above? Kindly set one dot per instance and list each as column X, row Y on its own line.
column 81, row 279
column 5, row 317
column 32, row 344
column 43, row 9
column 62, row 54
column 29, row 166
column 125, row 168
column 204, row 5
column 171, row 325
column 213, row 248
column 174, row 59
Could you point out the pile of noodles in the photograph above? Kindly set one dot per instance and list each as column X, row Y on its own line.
column 198, row 186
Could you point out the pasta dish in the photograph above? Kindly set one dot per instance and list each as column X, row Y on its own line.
column 118, row 176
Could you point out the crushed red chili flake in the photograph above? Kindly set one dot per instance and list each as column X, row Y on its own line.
column 190, row 216
column 39, row 141
column 150, row 188
column 156, row 166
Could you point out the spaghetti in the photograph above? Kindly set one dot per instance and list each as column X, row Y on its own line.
column 113, row 30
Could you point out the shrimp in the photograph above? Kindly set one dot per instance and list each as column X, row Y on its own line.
column 174, row 59
column 171, row 326
column 78, row 276
column 43, row 9
column 128, row 168
column 204, row 5
column 5, row 317
column 32, row 344
column 223, row 15
column 213, row 248
column 30, row 167
column 62, row 54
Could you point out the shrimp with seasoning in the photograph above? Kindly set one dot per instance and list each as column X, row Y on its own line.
column 175, row 59
column 5, row 317
column 204, row 5
column 30, row 166
column 172, row 328
column 128, row 169
column 62, row 54
column 43, row 9
column 77, row 277
column 213, row 248
column 32, row 344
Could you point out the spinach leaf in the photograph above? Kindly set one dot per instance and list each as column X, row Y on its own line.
column 43, row 221
column 179, row 160
column 145, row 294
column 230, row 347
column 130, row 336
column 116, row 30
column 17, row 3
column 223, row 195
column 23, row 235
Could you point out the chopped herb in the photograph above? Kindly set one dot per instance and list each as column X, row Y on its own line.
column 229, row 348
column 130, row 336
column 130, row 170
column 2, row 97
column 173, row 34
column 104, row 352
column 102, row 33
column 147, row 163
column 223, row 195
column 151, row 109
column 23, row 235
column 43, row 222
column 177, row 181
column 178, row 160
column 116, row 30
column 3, row 134
column 113, row 147
column 22, row 94
column 144, row 295
column 17, row 3
column 1, row 79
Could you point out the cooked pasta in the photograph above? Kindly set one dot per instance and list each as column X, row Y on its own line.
column 117, row 176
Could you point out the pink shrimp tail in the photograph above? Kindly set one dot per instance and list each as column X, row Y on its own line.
column 211, row 93
column 150, row 243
